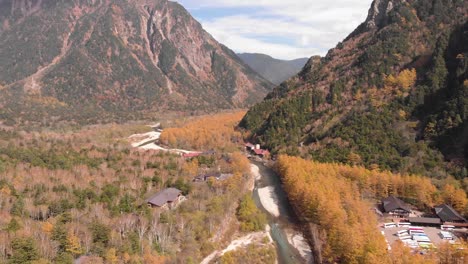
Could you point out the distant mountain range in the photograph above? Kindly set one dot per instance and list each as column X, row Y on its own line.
column 393, row 95
column 274, row 70
column 92, row 61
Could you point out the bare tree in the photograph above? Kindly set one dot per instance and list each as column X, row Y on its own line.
column 142, row 228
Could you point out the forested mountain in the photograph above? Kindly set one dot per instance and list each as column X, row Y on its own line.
column 99, row 60
column 393, row 94
column 274, row 70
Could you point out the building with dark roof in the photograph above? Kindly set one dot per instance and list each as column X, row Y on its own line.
column 425, row 221
column 395, row 206
column 447, row 214
column 167, row 198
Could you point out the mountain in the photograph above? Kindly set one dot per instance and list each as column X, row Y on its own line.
column 97, row 60
column 393, row 95
column 274, row 70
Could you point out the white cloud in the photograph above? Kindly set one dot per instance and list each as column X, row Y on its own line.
column 282, row 29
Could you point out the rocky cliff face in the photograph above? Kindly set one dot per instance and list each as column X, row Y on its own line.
column 109, row 58
column 378, row 13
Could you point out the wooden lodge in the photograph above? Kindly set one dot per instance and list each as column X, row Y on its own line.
column 447, row 214
column 395, row 207
column 168, row 198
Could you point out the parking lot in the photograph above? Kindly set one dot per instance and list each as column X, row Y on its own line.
column 432, row 232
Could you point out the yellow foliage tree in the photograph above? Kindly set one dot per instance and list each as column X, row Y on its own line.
column 329, row 195
column 391, row 81
column 455, row 197
column 400, row 254
column 73, row 245
column 208, row 132
column 326, row 194
column 191, row 168
column 47, row 227
column 407, row 78
column 111, row 256
column 5, row 191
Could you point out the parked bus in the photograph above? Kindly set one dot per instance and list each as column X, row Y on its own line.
column 389, row 225
column 402, row 232
column 447, row 227
column 446, row 235
column 403, row 238
column 404, row 224
column 422, row 239
column 426, row 245
column 416, row 228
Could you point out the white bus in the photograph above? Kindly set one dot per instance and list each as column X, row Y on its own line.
column 422, row 239
column 405, row 232
column 404, row 224
column 446, row 235
column 403, row 238
column 447, row 227
column 389, row 225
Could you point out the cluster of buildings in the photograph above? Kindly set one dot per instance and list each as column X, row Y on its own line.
column 442, row 214
column 170, row 198
column 257, row 150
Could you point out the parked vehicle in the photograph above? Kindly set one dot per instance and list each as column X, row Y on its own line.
column 402, row 232
column 403, row 238
column 447, row 227
column 404, row 224
column 446, row 235
column 389, row 225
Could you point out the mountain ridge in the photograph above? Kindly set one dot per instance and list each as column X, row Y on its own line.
column 373, row 95
column 110, row 58
column 274, row 70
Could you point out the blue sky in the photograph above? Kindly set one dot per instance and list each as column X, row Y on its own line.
column 284, row 29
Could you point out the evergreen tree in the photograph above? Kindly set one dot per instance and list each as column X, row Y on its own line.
column 24, row 251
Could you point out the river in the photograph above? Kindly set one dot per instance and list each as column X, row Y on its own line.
column 270, row 197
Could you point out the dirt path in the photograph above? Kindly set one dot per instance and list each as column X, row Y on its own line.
column 149, row 140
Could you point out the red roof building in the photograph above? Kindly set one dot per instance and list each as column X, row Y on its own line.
column 261, row 152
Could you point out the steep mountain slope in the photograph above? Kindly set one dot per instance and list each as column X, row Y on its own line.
column 393, row 89
column 108, row 58
column 274, row 70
